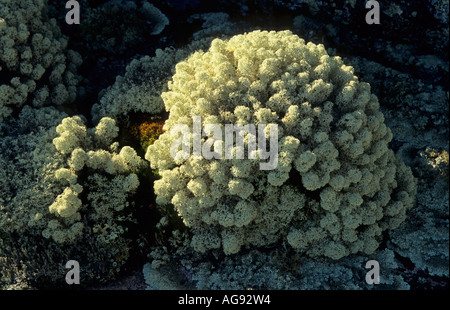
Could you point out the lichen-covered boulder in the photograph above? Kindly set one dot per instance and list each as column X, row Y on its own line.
column 336, row 187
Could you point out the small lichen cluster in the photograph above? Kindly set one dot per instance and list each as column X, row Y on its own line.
column 138, row 91
column 87, row 149
column 64, row 188
column 438, row 160
column 36, row 67
column 337, row 185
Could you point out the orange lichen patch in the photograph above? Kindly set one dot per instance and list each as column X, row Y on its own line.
column 147, row 132
column 438, row 160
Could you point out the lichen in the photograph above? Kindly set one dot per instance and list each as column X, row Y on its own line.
column 438, row 160
column 65, row 194
column 139, row 89
column 333, row 152
column 36, row 66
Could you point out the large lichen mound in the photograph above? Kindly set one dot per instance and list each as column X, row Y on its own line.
column 337, row 186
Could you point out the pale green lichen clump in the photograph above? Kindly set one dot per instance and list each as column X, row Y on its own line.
column 64, row 194
column 337, row 185
column 88, row 149
column 36, row 67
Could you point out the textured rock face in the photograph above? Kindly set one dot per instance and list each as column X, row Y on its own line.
column 337, row 185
